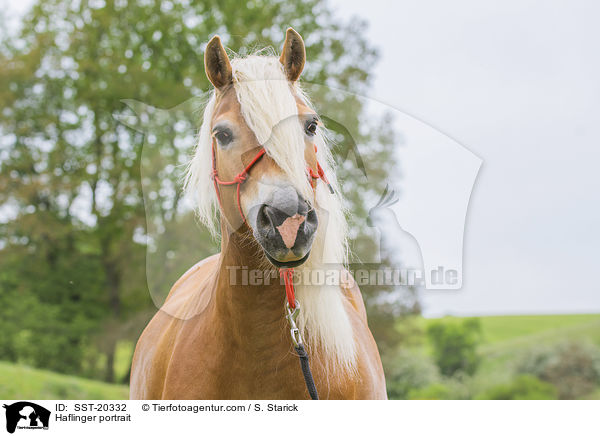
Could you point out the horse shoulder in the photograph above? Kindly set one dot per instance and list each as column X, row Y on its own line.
column 188, row 297
column 351, row 291
column 192, row 292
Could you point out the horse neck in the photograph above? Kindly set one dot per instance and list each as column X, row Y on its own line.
column 247, row 310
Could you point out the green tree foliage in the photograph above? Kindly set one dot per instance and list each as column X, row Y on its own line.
column 455, row 345
column 51, row 301
column 407, row 371
column 73, row 230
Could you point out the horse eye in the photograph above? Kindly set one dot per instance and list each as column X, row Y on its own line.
column 224, row 137
column 311, row 127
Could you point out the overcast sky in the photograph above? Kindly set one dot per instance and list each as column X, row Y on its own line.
column 518, row 84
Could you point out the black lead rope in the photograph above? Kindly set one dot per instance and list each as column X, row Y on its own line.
column 308, row 378
column 291, row 315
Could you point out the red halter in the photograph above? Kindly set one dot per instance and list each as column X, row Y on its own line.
column 239, row 179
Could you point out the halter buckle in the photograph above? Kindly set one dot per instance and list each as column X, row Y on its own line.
column 291, row 315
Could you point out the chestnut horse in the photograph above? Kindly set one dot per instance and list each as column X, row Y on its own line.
column 263, row 163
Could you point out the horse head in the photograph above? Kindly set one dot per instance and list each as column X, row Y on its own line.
column 262, row 134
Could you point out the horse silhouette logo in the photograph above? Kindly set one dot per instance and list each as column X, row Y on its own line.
column 26, row 415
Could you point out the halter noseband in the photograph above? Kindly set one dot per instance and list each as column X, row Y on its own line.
column 241, row 177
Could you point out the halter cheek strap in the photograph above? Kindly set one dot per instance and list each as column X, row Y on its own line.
column 238, row 180
column 320, row 174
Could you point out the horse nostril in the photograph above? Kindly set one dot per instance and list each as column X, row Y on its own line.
column 267, row 217
column 312, row 221
column 303, row 207
column 270, row 217
column 263, row 218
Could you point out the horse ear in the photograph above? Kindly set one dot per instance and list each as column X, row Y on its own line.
column 293, row 55
column 216, row 63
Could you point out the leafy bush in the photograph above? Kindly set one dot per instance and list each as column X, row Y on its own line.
column 455, row 345
column 572, row 367
column 523, row 387
column 407, row 370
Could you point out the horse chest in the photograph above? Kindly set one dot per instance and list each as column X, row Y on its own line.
column 211, row 365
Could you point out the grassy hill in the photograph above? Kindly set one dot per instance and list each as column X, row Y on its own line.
column 505, row 338
column 519, row 329
column 21, row 382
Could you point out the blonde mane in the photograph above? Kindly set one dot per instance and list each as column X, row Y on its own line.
column 269, row 108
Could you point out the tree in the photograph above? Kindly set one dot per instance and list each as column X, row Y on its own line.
column 70, row 173
column 455, row 345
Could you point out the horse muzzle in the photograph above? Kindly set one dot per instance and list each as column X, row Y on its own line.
column 285, row 227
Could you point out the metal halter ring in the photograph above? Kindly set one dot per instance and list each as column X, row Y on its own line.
column 291, row 315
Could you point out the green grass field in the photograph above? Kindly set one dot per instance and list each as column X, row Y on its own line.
column 504, row 337
column 517, row 329
column 22, row 382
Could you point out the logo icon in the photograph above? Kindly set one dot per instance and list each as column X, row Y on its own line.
column 26, row 415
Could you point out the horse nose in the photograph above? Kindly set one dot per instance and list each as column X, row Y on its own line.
column 271, row 219
column 287, row 226
column 287, row 222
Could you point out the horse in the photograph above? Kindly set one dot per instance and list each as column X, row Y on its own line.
column 262, row 174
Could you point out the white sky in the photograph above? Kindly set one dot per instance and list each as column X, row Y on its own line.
column 518, row 84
